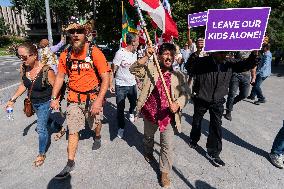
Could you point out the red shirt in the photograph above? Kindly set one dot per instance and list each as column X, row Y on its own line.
column 156, row 108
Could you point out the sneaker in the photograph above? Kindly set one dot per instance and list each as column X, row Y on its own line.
column 192, row 144
column 250, row 98
column 277, row 160
column 228, row 116
column 132, row 118
column 120, row 133
column 97, row 144
column 65, row 172
column 259, row 102
column 216, row 160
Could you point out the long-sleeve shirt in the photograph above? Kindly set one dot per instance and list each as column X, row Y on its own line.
column 264, row 69
column 212, row 77
column 56, row 47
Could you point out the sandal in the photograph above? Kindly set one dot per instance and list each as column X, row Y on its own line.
column 60, row 134
column 39, row 160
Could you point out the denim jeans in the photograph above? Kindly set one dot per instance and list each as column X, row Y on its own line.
column 121, row 93
column 278, row 144
column 256, row 90
column 216, row 110
column 42, row 111
column 239, row 81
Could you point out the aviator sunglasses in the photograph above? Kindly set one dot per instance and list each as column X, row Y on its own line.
column 78, row 31
column 24, row 57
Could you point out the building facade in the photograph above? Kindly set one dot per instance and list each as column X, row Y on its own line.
column 16, row 21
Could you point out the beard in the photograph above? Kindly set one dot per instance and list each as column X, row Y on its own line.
column 78, row 46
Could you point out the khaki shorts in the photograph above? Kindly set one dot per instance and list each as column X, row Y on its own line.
column 76, row 115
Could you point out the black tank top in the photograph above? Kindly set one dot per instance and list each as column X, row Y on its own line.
column 39, row 93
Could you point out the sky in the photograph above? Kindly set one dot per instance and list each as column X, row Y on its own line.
column 5, row 3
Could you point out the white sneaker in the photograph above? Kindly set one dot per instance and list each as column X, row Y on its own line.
column 120, row 133
column 132, row 118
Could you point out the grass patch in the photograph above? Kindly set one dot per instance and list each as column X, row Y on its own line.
column 4, row 51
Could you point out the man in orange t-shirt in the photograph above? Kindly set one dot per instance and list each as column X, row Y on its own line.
column 88, row 75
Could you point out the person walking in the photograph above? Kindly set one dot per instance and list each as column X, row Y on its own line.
column 154, row 107
column 211, row 82
column 277, row 150
column 239, row 81
column 125, row 82
column 262, row 73
column 88, row 82
column 39, row 92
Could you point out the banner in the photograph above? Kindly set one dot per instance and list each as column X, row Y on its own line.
column 238, row 29
column 197, row 19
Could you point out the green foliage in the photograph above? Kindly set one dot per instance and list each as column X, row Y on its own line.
column 108, row 22
column 3, row 27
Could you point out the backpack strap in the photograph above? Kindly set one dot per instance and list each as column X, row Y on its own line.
column 68, row 60
column 90, row 54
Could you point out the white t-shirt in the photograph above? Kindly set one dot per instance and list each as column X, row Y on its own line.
column 124, row 59
column 186, row 53
column 175, row 65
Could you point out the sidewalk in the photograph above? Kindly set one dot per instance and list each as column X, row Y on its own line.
column 120, row 164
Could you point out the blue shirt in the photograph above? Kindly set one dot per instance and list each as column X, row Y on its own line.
column 264, row 69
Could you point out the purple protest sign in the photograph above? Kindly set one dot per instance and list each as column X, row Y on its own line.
column 236, row 29
column 197, row 19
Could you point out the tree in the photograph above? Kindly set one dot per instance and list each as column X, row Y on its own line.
column 4, row 29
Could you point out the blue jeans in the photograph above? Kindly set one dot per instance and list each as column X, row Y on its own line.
column 241, row 81
column 278, row 144
column 121, row 93
column 42, row 111
column 256, row 90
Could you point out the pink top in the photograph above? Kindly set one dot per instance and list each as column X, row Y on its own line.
column 156, row 108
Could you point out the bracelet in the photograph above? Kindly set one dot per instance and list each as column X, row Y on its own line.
column 53, row 98
column 12, row 100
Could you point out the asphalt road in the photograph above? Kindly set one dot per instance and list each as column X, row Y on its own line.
column 9, row 71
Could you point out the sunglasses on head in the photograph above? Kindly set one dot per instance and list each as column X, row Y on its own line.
column 24, row 57
column 78, row 31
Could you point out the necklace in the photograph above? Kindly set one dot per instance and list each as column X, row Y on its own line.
column 36, row 71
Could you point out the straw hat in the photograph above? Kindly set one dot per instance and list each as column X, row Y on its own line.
column 79, row 23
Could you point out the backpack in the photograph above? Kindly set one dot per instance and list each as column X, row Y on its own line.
column 69, row 63
column 88, row 54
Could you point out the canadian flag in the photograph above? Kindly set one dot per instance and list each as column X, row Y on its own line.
column 142, row 36
column 159, row 15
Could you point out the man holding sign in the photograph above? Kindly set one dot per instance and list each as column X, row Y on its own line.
column 212, row 76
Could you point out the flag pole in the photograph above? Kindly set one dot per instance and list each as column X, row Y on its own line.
column 143, row 26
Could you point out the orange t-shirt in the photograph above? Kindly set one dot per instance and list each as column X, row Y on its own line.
column 87, row 79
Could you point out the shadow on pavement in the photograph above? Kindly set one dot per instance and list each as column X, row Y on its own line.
column 26, row 130
column 199, row 184
column 110, row 117
column 182, row 177
column 60, row 184
column 227, row 135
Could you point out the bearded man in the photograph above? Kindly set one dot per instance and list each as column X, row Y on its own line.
column 88, row 82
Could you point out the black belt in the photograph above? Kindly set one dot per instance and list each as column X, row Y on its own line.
column 95, row 90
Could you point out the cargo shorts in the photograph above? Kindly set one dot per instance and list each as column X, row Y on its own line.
column 77, row 115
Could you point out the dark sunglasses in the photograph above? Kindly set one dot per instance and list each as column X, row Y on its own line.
column 78, row 31
column 24, row 58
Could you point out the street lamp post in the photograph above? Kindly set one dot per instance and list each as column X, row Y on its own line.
column 48, row 22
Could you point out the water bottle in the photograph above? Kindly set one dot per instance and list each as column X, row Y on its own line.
column 10, row 115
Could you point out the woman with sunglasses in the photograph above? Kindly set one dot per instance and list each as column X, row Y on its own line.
column 32, row 75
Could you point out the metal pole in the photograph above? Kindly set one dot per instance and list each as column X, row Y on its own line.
column 48, row 22
column 143, row 25
column 95, row 8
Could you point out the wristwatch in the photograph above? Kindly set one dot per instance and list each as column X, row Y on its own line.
column 53, row 98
